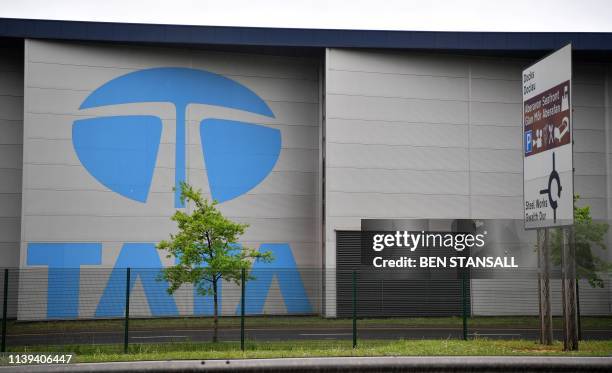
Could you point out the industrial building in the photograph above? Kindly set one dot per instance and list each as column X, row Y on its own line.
column 299, row 133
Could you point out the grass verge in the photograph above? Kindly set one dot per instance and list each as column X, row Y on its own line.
column 325, row 348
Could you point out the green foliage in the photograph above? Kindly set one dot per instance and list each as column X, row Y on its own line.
column 588, row 235
column 205, row 247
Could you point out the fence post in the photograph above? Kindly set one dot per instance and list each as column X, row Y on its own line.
column 4, row 309
column 126, row 328
column 242, row 291
column 354, row 309
column 464, row 304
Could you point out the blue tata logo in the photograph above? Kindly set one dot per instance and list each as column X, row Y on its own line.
column 121, row 151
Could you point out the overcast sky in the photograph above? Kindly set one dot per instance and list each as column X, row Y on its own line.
column 433, row 15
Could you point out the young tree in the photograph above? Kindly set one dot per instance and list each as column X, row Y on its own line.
column 588, row 235
column 206, row 250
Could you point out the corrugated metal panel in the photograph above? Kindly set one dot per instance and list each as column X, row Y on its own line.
column 391, row 293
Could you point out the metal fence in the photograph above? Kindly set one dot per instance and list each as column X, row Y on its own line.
column 66, row 307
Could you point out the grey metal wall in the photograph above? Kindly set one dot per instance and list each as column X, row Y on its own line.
column 64, row 203
column 413, row 135
column 11, row 150
column 408, row 135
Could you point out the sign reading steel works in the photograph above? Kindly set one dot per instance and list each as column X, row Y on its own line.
column 547, row 142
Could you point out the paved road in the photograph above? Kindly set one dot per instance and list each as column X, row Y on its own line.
column 451, row 364
column 281, row 334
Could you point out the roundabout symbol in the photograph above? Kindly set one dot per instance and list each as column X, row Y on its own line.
column 554, row 175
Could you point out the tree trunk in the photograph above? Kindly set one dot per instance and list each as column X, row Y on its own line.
column 215, row 313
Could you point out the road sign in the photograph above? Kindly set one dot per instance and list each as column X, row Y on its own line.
column 548, row 180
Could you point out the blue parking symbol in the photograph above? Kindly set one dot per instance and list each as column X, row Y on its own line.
column 528, row 142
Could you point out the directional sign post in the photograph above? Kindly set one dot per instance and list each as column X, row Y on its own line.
column 547, row 142
column 548, row 178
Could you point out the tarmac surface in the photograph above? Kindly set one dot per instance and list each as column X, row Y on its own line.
column 279, row 334
column 345, row 364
